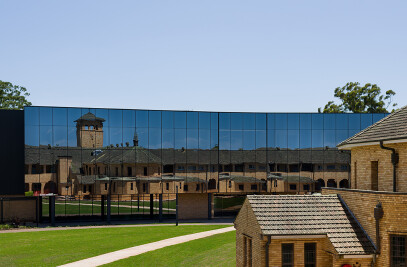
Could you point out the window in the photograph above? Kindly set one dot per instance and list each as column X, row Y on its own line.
column 117, row 171
column 253, row 187
column 114, row 186
column 167, row 186
column 398, row 252
column 185, row 187
column 320, row 168
column 306, row 187
column 344, row 167
column 49, row 169
column 90, row 188
column 131, row 186
column 36, row 187
column 287, row 255
column 145, row 172
column 84, row 189
column 129, row 172
column 293, row 187
column 310, row 254
column 247, row 251
column 26, row 187
column 181, row 168
column 262, row 168
column 191, row 168
column 197, row 187
column 239, row 168
column 330, row 167
column 294, row 168
column 374, row 175
column 201, row 168
column 145, row 187
column 105, row 186
column 230, row 184
column 355, row 175
column 241, row 187
column 252, row 167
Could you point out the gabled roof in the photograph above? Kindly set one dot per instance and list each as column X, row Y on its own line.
column 280, row 215
column 392, row 127
column 90, row 117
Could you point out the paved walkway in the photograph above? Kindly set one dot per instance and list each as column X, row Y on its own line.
column 133, row 251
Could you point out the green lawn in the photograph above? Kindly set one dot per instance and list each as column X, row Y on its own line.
column 52, row 248
column 226, row 202
column 217, row 250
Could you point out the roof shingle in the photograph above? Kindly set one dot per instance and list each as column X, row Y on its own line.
column 311, row 215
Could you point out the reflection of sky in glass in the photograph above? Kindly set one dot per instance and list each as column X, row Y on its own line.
column 197, row 130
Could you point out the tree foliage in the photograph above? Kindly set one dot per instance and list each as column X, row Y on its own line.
column 360, row 99
column 13, row 96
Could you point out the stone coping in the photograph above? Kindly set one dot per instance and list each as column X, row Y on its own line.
column 366, row 191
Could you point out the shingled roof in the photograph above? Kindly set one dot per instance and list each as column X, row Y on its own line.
column 280, row 215
column 392, row 127
column 90, row 117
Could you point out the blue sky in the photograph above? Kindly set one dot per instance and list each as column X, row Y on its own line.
column 260, row 56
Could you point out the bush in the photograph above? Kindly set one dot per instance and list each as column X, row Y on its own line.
column 29, row 194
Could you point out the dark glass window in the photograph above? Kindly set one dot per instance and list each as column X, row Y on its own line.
column 287, row 255
column 197, row 187
column 185, row 187
column 105, row 186
column 253, row 187
column 310, row 254
column 131, row 186
column 130, row 173
column 241, row 187
column 167, row 186
column 398, row 250
column 293, row 187
column 306, row 187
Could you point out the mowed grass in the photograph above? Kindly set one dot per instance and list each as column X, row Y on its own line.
column 217, row 250
column 52, row 248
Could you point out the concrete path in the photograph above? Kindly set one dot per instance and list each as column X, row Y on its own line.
column 133, row 251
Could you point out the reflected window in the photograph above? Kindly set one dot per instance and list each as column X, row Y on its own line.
column 224, row 121
column 204, row 120
column 293, row 121
column 261, row 121
column 180, row 120
column 317, row 121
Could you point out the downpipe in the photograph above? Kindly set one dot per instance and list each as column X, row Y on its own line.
column 394, row 161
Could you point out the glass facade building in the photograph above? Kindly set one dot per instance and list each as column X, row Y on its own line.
column 86, row 151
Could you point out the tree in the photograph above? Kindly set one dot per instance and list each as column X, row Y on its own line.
column 13, row 96
column 357, row 99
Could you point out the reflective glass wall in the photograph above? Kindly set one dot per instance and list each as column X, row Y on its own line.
column 85, row 152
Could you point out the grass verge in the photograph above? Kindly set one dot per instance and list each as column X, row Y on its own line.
column 217, row 250
column 52, row 248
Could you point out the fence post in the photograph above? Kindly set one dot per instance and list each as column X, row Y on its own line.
column 52, row 210
column 102, row 207
column 160, row 207
column 151, row 206
column 108, row 208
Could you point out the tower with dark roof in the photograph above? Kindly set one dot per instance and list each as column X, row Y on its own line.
column 89, row 131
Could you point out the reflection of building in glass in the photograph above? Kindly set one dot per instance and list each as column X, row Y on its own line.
column 128, row 152
column 89, row 131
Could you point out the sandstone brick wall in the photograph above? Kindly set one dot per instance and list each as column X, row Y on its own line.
column 192, row 206
column 246, row 226
column 362, row 158
column 24, row 210
column 394, row 221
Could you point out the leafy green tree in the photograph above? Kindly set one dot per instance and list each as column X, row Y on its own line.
column 13, row 96
column 360, row 99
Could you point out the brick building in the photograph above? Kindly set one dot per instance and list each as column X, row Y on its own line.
column 375, row 204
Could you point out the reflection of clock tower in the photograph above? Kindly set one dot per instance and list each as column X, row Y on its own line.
column 89, row 131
